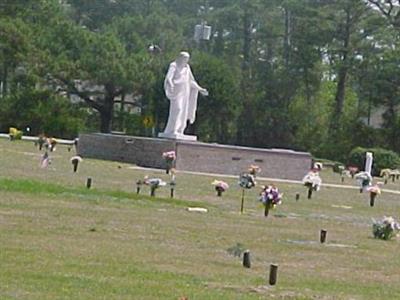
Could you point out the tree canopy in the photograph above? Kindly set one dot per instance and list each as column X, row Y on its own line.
column 303, row 74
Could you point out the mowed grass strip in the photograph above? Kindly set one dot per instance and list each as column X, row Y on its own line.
column 41, row 188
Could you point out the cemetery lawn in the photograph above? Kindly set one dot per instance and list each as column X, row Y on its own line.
column 59, row 240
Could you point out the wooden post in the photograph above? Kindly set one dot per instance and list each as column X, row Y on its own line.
column 273, row 273
column 89, row 182
column 372, row 197
column 322, row 237
column 172, row 192
column 297, row 196
column 241, row 207
column 246, row 259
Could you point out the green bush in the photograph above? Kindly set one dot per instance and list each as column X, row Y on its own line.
column 383, row 159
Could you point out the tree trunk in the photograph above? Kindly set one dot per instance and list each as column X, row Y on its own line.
column 105, row 121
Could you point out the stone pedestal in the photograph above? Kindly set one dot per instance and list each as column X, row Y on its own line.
column 178, row 136
column 195, row 156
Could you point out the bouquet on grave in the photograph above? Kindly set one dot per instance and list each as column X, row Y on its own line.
column 169, row 158
column 247, row 181
column 385, row 229
column 312, row 180
column 154, row 182
column 364, row 179
column 15, row 134
column 270, row 196
column 254, row 169
column 220, row 186
column 353, row 170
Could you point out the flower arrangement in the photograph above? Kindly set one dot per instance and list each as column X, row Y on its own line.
column 254, row 169
column 373, row 190
column 15, row 134
column 312, row 181
column 353, row 170
column 51, row 144
column 385, row 229
column 220, row 186
column 318, row 166
column 270, row 197
column 169, row 158
column 41, row 141
column 154, row 184
column 247, row 181
column 364, row 179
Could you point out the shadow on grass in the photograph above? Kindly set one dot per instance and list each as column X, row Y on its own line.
column 28, row 186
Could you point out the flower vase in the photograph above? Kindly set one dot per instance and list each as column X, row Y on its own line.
column 372, row 197
column 310, row 189
column 153, row 191
column 266, row 209
column 75, row 163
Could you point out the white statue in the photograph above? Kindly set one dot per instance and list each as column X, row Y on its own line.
column 182, row 90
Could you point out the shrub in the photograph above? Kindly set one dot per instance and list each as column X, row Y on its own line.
column 383, row 159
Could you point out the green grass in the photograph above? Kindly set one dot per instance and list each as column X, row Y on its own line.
column 59, row 240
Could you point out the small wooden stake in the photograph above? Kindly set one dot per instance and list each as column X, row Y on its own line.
column 246, row 259
column 89, row 182
column 172, row 192
column 297, row 196
column 241, row 207
column 273, row 273
column 322, row 237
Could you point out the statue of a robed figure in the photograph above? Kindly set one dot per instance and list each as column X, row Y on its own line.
column 182, row 91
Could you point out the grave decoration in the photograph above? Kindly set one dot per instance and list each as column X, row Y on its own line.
column 15, row 134
column 246, row 181
column 385, row 229
column 318, row 166
column 220, row 186
column 386, row 174
column 138, row 186
column 364, row 179
column 353, row 171
column 169, row 158
column 154, row 184
column 75, row 160
column 254, row 170
column 172, row 183
column 312, row 181
column 45, row 160
column 373, row 190
column 270, row 197
column 41, row 141
column 51, row 144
